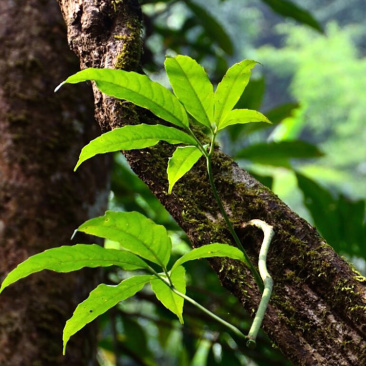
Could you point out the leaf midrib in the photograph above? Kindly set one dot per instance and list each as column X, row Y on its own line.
column 194, row 91
column 145, row 245
column 145, row 98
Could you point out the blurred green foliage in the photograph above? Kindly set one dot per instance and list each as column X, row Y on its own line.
column 327, row 78
column 313, row 156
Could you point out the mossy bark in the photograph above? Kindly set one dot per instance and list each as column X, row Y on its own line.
column 317, row 314
column 41, row 200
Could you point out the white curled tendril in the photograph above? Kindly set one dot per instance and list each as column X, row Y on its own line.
column 266, row 277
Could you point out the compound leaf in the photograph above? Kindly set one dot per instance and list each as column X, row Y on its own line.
column 192, row 87
column 72, row 258
column 133, row 137
column 137, row 89
column 134, row 232
column 168, row 298
column 181, row 162
column 99, row 301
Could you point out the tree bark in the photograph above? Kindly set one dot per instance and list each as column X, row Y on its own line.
column 317, row 313
column 41, row 200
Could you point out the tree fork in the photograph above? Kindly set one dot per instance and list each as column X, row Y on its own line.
column 317, row 315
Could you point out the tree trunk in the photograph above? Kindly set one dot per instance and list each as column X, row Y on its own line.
column 317, row 313
column 41, row 200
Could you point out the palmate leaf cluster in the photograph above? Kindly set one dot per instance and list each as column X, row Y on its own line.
column 143, row 243
column 146, row 245
column 193, row 96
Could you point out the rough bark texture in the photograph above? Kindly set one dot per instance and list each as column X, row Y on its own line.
column 41, row 200
column 317, row 314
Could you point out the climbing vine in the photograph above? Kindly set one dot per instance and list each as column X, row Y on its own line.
column 146, row 245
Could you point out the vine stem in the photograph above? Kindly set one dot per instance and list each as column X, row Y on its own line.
column 168, row 282
column 266, row 277
column 263, row 278
column 234, row 329
column 208, row 156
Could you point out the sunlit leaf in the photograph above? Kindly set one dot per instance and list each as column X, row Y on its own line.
column 209, row 251
column 168, row 298
column 279, row 153
column 192, row 87
column 289, row 9
column 135, row 88
column 181, row 162
column 231, row 88
column 212, row 27
column 133, row 137
column 99, row 301
column 72, row 258
column 241, row 116
column 134, row 232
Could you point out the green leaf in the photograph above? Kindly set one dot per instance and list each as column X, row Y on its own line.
column 212, row 27
column 322, row 207
column 137, row 89
column 208, row 251
column 99, row 301
column 168, row 298
column 181, row 162
column 134, row 232
column 241, row 116
column 133, row 137
column 72, row 258
column 231, row 88
column 192, row 87
column 253, row 95
column 279, row 113
column 278, row 153
column 289, row 9
column 135, row 337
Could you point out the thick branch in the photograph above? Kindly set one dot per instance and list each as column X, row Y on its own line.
column 317, row 314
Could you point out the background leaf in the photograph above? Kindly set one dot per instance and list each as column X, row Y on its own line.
column 182, row 162
column 231, row 88
column 72, row 258
column 212, row 27
column 290, row 10
column 279, row 153
column 341, row 221
column 99, row 301
column 279, row 113
column 209, row 251
column 167, row 297
column 134, row 232
column 253, row 94
column 132, row 137
column 192, row 87
column 137, row 89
